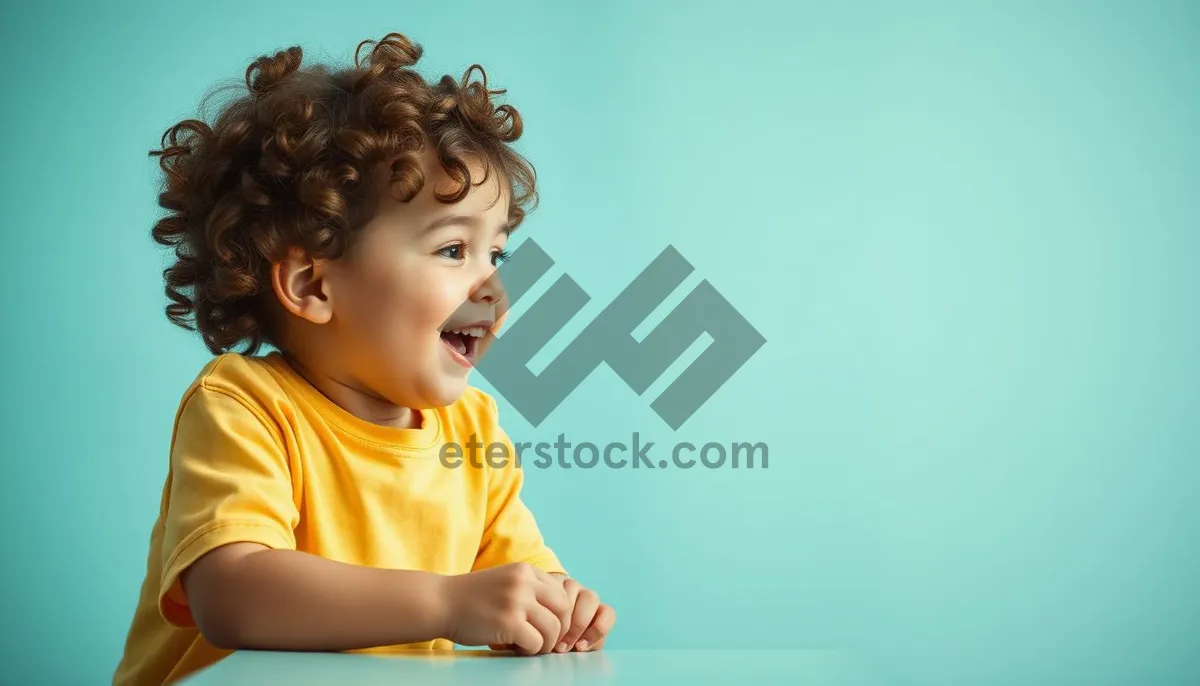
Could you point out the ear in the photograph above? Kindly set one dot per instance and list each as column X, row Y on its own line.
column 302, row 288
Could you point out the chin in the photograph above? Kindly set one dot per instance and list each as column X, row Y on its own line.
column 446, row 391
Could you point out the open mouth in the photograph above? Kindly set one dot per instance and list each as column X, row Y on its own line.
column 464, row 342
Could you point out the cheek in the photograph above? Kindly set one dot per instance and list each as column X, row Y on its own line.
column 440, row 298
column 396, row 300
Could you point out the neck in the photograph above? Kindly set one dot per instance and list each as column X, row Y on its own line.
column 354, row 396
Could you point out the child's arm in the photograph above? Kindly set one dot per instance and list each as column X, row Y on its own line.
column 248, row 596
column 245, row 595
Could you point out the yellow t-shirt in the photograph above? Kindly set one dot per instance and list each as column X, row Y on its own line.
column 259, row 454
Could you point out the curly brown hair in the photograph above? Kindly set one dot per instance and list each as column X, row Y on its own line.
column 294, row 162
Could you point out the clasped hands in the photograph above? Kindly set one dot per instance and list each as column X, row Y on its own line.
column 521, row 608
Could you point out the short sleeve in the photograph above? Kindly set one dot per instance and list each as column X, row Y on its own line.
column 511, row 533
column 229, row 482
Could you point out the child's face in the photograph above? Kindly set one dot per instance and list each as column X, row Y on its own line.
column 417, row 266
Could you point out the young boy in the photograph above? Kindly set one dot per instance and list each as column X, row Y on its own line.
column 352, row 220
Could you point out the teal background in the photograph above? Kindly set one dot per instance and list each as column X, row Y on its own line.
column 967, row 232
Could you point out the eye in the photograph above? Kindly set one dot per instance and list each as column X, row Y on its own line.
column 454, row 252
column 499, row 256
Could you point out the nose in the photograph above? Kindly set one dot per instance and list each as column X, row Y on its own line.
column 490, row 290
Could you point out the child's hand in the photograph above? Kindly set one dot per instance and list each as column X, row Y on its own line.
column 590, row 620
column 514, row 605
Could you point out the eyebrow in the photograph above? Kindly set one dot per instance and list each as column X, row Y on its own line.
column 461, row 219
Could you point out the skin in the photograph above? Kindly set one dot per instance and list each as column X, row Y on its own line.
column 365, row 331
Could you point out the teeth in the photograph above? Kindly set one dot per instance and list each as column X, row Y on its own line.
column 476, row 331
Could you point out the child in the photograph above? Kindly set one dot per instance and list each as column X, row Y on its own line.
column 352, row 220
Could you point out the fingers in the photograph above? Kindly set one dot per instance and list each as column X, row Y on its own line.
column 527, row 639
column 573, row 589
column 595, row 646
column 603, row 622
column 586, row 605
column 551, row 595
column 547, row 625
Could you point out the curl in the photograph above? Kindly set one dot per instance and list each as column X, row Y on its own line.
column 267, row 72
